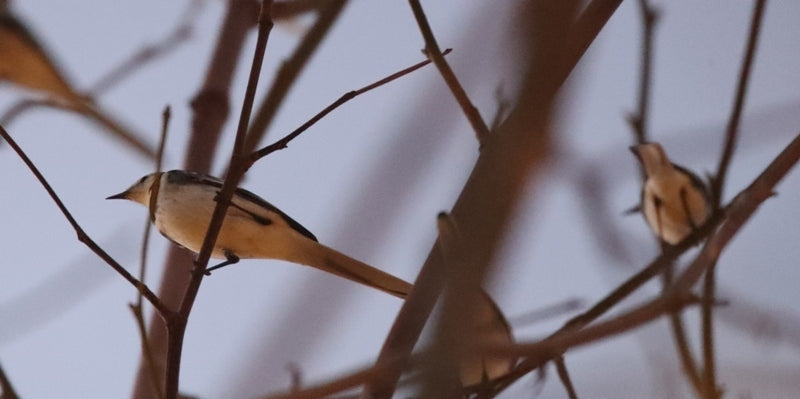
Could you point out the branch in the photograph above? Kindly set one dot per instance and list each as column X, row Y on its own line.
column 284, row 142
column 710, row 388
column 82, row 236
column 177, row 325
column 6, row 388
column 138, row 312
column 149, row 52
column 210, row 111
column 290, row 70
column 510, row 158
column 435, row 55
column 735, row 214
column 638, row 121
column 732, row 130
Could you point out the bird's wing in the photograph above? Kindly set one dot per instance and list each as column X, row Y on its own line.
column 200, row 178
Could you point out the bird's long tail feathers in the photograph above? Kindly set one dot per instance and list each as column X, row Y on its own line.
column 337, row 263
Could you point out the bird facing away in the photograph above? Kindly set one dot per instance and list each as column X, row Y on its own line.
column 181, row 204
column 674, row 201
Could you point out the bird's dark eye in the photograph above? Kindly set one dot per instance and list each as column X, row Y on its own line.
column 142, row 180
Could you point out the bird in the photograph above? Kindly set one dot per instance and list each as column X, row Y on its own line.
column 25, row 62
column 674, row 201
column 181, row 204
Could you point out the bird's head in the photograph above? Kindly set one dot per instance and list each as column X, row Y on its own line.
column 652, row 157
column 139, row 191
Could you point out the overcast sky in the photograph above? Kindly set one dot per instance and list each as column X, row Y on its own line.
column 369, row 180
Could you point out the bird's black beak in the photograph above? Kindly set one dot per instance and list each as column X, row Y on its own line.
column 122, row 195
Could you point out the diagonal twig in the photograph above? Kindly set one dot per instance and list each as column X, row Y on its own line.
column 434, row 53
column 82, row 236
column 290, row 70
column 740, row 209
column 710, row 388
column 283, row 143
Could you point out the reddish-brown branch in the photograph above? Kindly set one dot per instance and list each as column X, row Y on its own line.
column 176, row 325
column 290, row 70
column 6, row 388
column 435, row 54
column 210, row 107
column 82, row 236
column 486, row 201
column 284, row 142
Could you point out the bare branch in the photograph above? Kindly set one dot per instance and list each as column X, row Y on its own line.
column 435, row 55
column 710, row 388
column 177, row 325
column 82, row 236
column 290, row 70
column 6, row 388
column 284, row 142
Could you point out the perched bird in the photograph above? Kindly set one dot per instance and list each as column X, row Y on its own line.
column 24, row 62
column 181, row 204
column 675, row 202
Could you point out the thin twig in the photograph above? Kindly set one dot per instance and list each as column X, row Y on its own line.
column 638, row 121
column 563, row 375
column 732, row 130
column 709, row 386
column 165, row 117
column 434, row 54
column 343, row 383
column 654, row 268
column 290, row 70
column 6, row 388
column 177, row 325
column 688, row 362
column 150, row 52
column 546, row 312
column 282, row 143
column 82, row 236
column 23, row 105
column 710, row 389
column 147, row 349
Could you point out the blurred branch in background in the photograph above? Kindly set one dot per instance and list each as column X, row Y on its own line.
column 25, row 62
column 82, row 236
column 510, row 159
column 710, row 388
column 6, row 388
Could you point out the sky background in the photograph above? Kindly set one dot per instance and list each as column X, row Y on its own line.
column 369, row 180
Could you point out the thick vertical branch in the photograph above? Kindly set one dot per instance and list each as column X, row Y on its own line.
column 210, row 112
column 176, row 325
column 508, row 160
